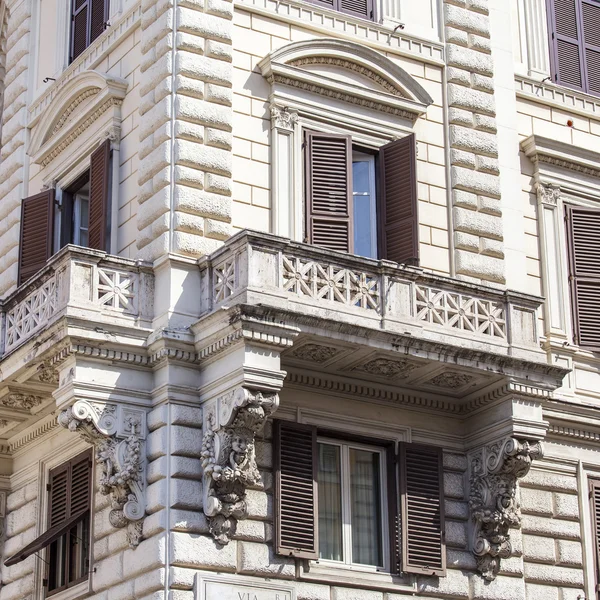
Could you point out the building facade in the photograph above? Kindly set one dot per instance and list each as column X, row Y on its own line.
column 300, row 299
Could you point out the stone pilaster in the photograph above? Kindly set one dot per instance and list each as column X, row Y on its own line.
column 186, row 122
column 16, row 40
column 478, row 234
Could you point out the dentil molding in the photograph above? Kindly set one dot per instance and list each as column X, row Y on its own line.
column 117, row 432
column 231, row 423
column 494, row 472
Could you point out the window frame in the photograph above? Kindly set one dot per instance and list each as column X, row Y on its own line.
column 359, row 155
column 345, row 444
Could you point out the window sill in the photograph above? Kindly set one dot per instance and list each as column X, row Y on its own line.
column 81, row 590
column 368, row 32
column 357, row 577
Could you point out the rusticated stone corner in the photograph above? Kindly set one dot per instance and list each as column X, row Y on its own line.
column 494, row 472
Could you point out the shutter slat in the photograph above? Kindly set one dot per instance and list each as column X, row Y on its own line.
column 398, row 237
column 295, row 491
column 421, row 478
column 99, row 197
column 594, row 487
column 329, row 190
column 583, row 234
column 79, row 28
column 99, row 17
column 359, row 8
column 37, row 226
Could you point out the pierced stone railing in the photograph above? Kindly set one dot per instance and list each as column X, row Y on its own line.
column 82, row 283
column 254, row 268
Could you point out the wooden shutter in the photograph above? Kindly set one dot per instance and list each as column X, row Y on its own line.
column 37, row 229
column 398, row 211
column 566, row 50
column 329, row 190
column 595, row 512
column 590, row 12
column 80, row 17
column 99, row 196
column 59, row 495
column 358, row 8
column 99, row 18
column 422, row 499
column 583, row 235
column 296, row 490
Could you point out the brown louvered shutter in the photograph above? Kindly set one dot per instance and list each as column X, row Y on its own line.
column 583, row 234
column 80, row 17
column 398, row 204
column 58, row 504
column 99, row 18
column 358, row 8
column 81, row 480
column 590, row 12
column 296, row 490
column 566, row 47
column 329, row 190
column 37, row 228
column 99, row 196
column 422, row 499
column 595, row 512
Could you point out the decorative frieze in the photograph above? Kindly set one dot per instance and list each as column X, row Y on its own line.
column 385, row 367
column 315, row 353
column 229, row 457
column 21, row 400
column 494, row 473
column 117, row 432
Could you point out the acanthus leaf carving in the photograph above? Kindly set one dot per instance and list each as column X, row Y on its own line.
column 20, row 400
column 117, row 434
column 548, row 193
column 494, row 473
column 229, row 456
column 283, row 117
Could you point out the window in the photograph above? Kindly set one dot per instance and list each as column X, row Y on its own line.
column 89, row 19
column 351, row 504
column 362, row 202
column 67, row 539
column 341, row 501
column 583, row 236
column 80, row 215
column 575, row 43
column 357, row 8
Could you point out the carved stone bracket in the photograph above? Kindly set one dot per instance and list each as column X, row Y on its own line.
column 117, row 432
column 228, row 456
column 283, row 117
column 494, row 471
column 548, row 193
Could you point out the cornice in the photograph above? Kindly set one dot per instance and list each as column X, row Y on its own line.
column 558, row 96
column 33, row 433
column 574, row 433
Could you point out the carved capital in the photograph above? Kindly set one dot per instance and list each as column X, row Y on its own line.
column 283, row 117
column 117, row 433
column 494, row 472
column 547, row 193
column 228, row 456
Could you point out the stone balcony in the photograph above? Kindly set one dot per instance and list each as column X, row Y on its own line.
column 82, row 301
column 361, row 319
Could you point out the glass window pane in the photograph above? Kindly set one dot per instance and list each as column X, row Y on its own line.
column 362, row 226
column 365, row 500
column 360, row 177
column 330, row 502
column 84, row 212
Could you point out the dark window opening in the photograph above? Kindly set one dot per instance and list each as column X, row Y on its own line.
column 89, row 19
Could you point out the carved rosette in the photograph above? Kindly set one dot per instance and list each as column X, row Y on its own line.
column 117, row 434
column 229, row 458
column 494, row 471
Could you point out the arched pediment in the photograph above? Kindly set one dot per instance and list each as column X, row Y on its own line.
column 78, row 104
column 347, row 71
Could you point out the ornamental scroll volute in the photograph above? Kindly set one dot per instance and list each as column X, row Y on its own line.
column 117, row 432
column 494, row 473
column 231, row 423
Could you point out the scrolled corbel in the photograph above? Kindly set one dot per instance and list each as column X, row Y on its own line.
column 117, row 434
column 494, row 473
column 229, row 456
